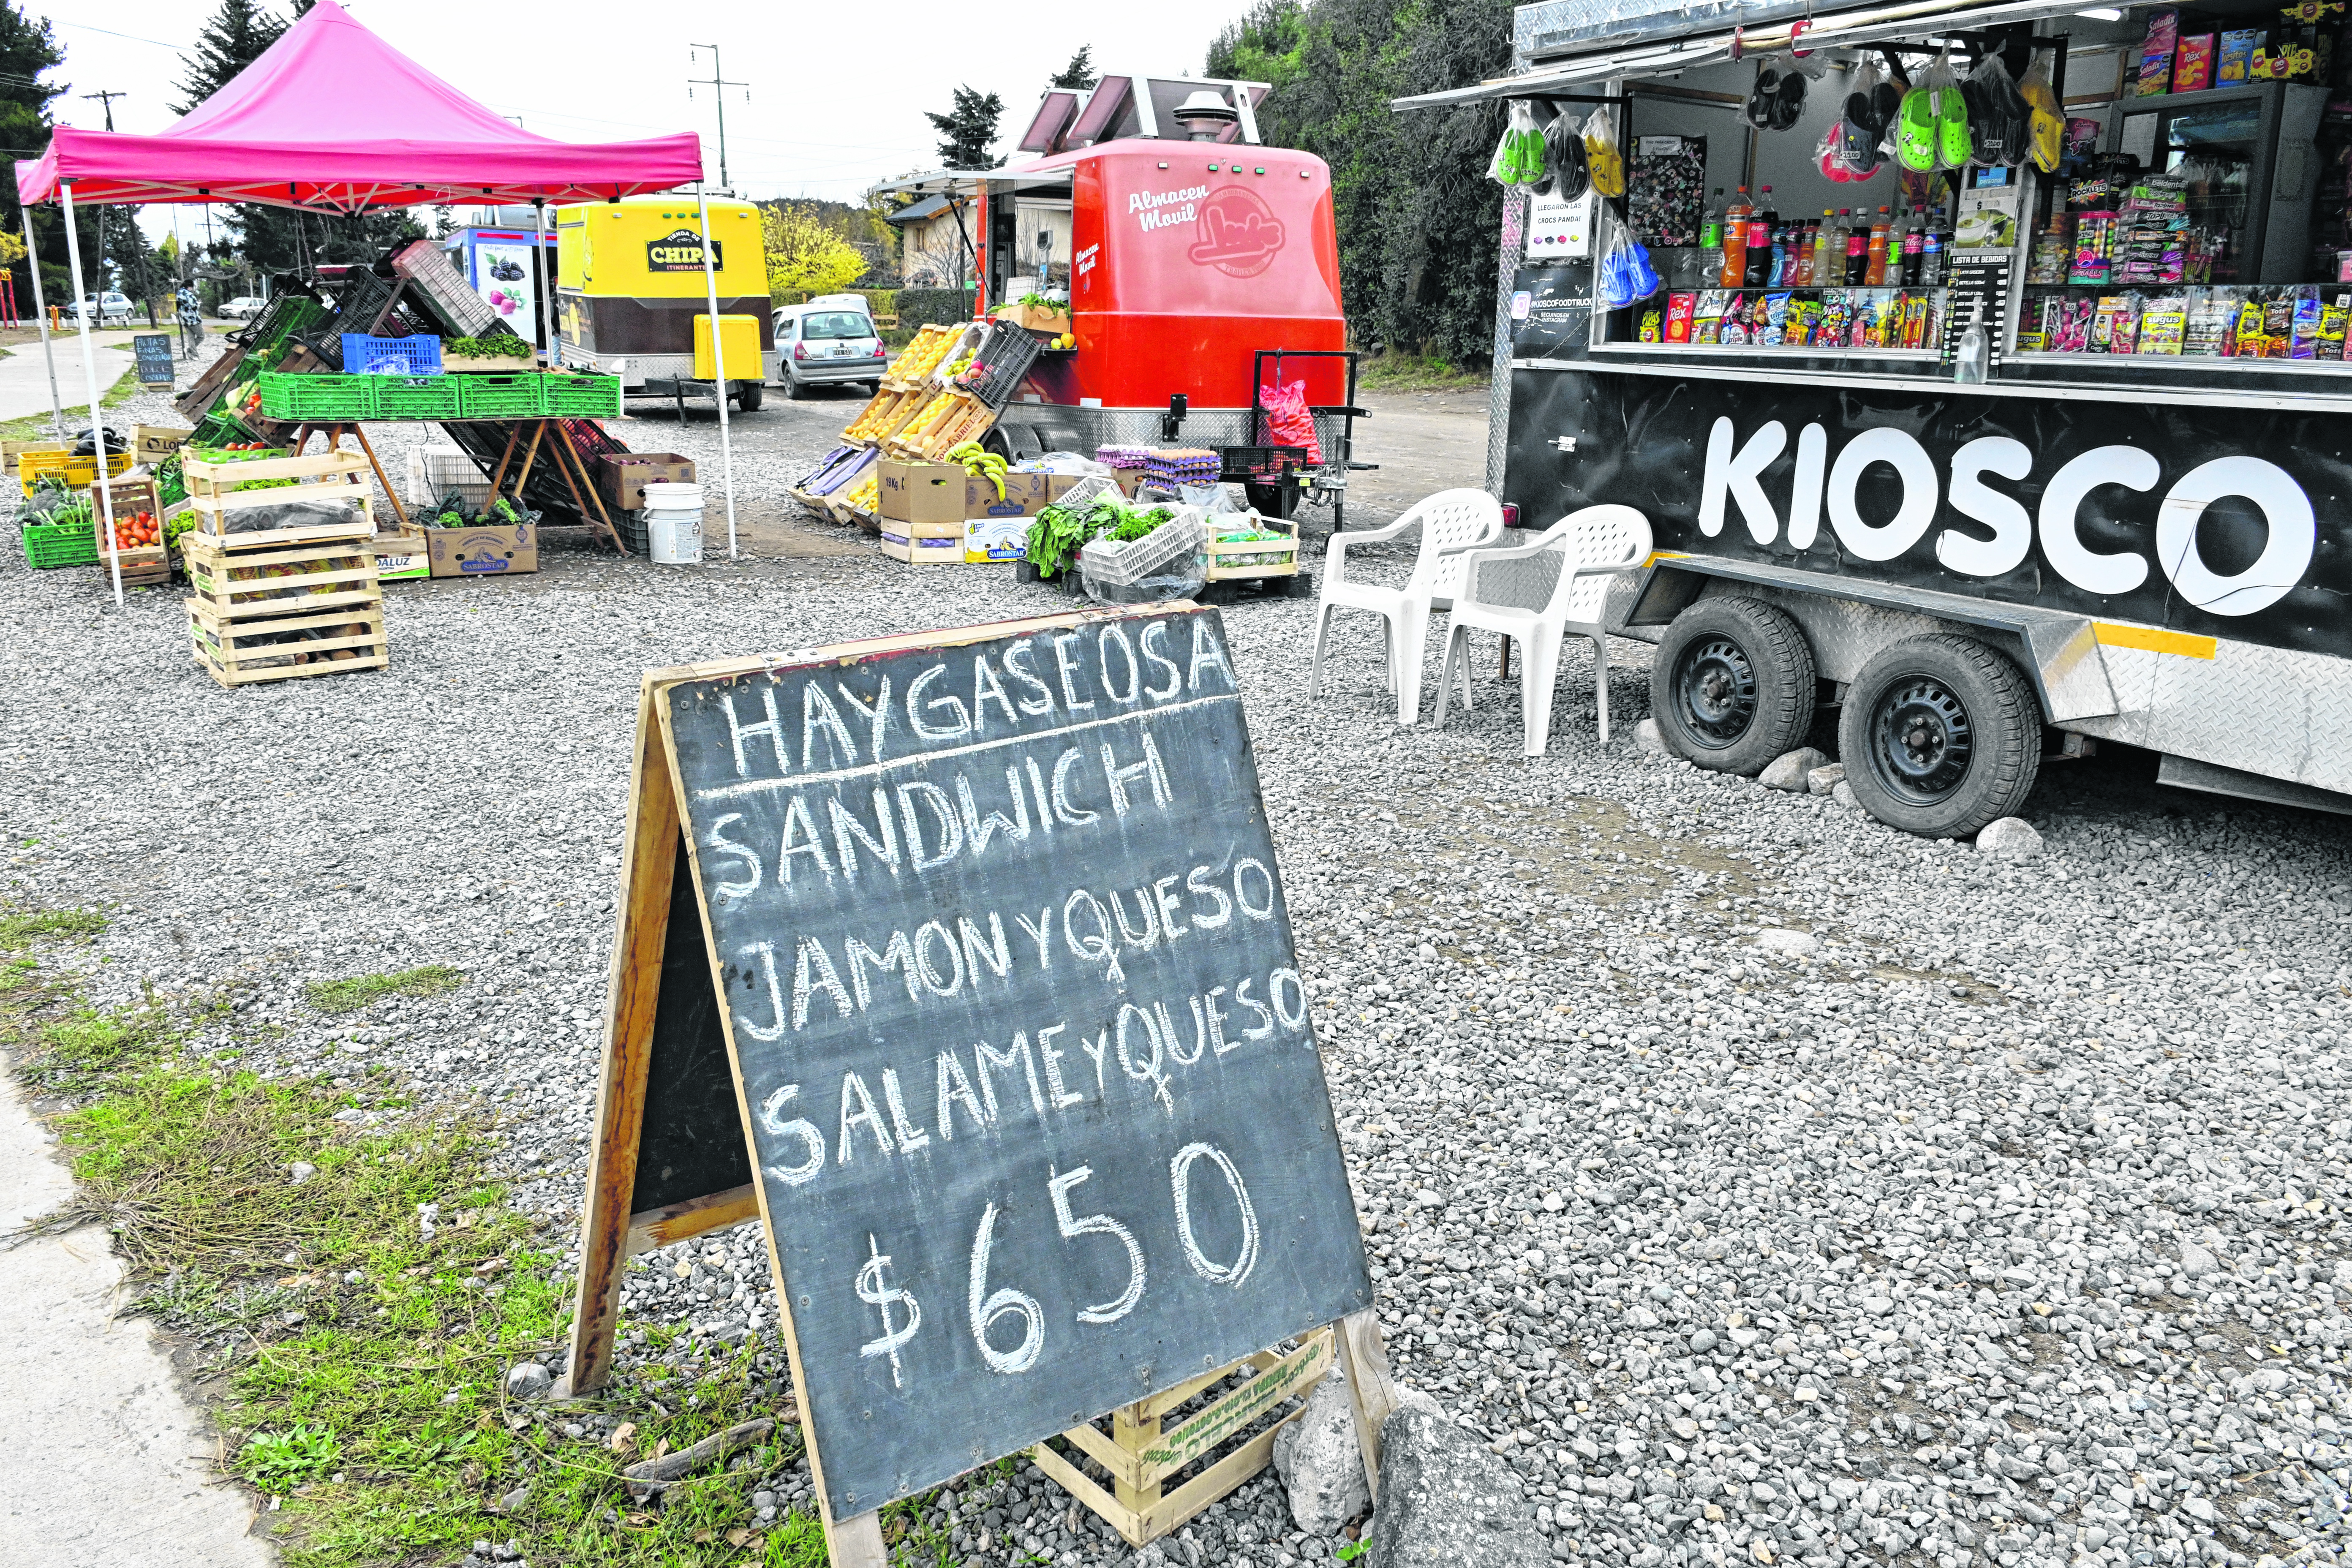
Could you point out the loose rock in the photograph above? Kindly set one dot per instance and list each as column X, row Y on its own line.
column 1826, row 778
column 1445, row 1502
column 1792, row 770
column 2011, row 838
column 1320, row 1461
column 527, row 1380
column 1647, row 739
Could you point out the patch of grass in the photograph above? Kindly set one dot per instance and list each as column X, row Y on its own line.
column 1395, row 371
column 38, row 426
column 19, row 928
column 367, row 990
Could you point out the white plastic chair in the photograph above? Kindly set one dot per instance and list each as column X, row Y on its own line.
column 1594, row 545
column 1451, row 522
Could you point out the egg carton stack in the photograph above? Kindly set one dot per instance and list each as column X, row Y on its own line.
column 1123, row 457
column 1179, row 466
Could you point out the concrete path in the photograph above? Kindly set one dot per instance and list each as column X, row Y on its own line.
column 25, row 376
column 112, row 1465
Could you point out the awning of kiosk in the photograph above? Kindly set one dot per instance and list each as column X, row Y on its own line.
column 1660, row 54
column 975, row 182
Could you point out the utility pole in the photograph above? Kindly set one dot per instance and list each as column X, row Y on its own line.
column 718, row 86
column 108, row 99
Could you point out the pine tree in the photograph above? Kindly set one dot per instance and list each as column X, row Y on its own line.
column 237, row 35
column 967, row 129
column 1080, row 72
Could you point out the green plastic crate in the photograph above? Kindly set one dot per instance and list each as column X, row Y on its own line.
column 419, row 397
column 583, row 396
column 48, row 545
column 493, row 395
column 315, row 397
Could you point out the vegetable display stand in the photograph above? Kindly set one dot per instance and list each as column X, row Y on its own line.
column 317, row 397
column 337, row 478
column 574, row 396
column 1233, row 558
column 500, row 397
column 75, row 472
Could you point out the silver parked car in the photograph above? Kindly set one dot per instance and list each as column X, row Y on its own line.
column 244, row 308
column 108, row 309
column 829, row 340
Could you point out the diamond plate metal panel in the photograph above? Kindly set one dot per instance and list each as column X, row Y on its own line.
column 2274, row 711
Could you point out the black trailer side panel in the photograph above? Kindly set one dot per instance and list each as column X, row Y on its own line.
column 2220, row 522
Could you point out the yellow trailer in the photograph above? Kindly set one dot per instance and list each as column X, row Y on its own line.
column 632, row 289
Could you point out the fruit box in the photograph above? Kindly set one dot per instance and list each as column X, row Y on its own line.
column 1055, row 322
column 923, row 492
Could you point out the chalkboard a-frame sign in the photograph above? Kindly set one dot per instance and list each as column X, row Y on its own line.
column 961, row 962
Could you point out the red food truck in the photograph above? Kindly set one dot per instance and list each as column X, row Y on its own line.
column 1201, row 271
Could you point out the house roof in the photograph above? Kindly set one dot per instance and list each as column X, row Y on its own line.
column 929, row 206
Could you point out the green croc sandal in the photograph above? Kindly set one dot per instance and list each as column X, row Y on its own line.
column 1915, row 132
column 1953, row 143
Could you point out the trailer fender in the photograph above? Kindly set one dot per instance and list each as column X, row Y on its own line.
column 1848, row 619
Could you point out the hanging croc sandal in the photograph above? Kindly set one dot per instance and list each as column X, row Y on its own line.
column 1915, row 132
column 1954, row 147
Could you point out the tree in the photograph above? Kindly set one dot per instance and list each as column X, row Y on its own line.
column 1080, row 72
column 1419, row 223
column 238, row 35
column 805, row 251
column 967, row 129
column 27, row 47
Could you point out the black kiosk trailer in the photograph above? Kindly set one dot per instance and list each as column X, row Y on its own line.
column 2085, row 475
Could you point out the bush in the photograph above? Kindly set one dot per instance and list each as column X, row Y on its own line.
column 942, row 307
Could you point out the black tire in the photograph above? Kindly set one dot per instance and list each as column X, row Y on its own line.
column 793, row 390
column 1732, row 685
column 748, row 394
column 1940, row 735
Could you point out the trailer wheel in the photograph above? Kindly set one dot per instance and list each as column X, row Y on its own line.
column 1732, row 685
column 749, row 395
column 1940, row 735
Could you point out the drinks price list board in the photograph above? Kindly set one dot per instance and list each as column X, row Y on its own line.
column 962, row 963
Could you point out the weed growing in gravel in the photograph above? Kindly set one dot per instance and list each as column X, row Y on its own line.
column 357, row 1353
column 366, row 990
column 18, row 928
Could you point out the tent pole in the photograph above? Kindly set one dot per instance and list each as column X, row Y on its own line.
column 41, row 319
column 546, row 282
column 718, row 365
column 90, row 379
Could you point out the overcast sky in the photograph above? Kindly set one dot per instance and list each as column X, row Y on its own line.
column 836, row 92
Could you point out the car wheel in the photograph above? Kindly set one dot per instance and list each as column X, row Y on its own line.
column 793, row 390
column 1940, row 735
column 748, row 394
column 1732, row 685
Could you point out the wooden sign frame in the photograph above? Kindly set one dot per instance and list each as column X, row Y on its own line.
column 1140, row 1453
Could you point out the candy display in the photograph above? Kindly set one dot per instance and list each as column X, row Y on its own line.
column 1826, row 318
column 2299, row 321
column 1665, row 189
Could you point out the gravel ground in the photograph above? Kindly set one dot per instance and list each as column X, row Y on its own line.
column 1761, row 1182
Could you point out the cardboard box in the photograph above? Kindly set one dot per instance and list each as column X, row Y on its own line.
column 2192, row 68
column 933, row 543
column 996, row 539
column 1025, row 495
column 402, row 557
column 483, row 551
column 623, row 476
column 922, row 492
column 1055, row 322
column 154, row 443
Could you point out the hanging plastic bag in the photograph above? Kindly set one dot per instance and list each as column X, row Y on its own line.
column 1567, row 174
column 1602, row 155
column 1830, row 153
column 2046, row 126
column 1520, row 155
column 1949, row 110
column 1872, row 104
column 1626, row 276
column 2000, row 119
column 1289, row 422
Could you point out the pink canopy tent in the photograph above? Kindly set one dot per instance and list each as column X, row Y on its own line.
column 332, row 118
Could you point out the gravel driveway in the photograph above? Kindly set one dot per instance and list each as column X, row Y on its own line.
column 1999, row 1217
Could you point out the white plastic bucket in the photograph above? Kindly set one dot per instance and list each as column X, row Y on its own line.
column 673, row 538
column 669, row 495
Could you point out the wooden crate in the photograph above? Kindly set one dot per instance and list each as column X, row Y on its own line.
column 336, row 477
column 246, row 652
column 235, row 581
column 1142, row 1456
column 154, row 443
column 12, row 451
column 881, row 418
column 146, row 565
column 1240, row 552
column 945, row 422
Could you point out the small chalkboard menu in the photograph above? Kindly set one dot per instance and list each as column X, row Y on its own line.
column 154, row 354
column 998, row 991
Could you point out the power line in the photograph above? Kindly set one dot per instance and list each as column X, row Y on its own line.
column 718, row 94
column 86, row 27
